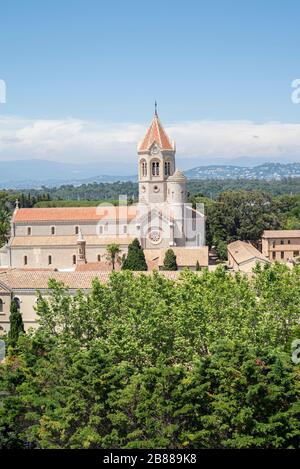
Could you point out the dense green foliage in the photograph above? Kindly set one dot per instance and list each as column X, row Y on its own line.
column 170, row 261
column 143, row 362
column 135, row 259
column 210, row 188
column 240, row 215
column 213, row 187
column 16, row 324
column 4, row 221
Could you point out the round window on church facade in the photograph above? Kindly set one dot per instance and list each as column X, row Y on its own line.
column 143, row 189
column 155, row 236
column 156, row 189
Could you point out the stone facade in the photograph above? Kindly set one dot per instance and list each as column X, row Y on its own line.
column 281, row 245
column 54, row 238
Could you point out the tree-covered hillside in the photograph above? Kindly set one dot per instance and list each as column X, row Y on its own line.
column 111, row 191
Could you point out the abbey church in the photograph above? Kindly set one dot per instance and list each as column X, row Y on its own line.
column 69, row 239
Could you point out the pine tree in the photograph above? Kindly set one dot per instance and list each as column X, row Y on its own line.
column 170, row 262
column 135, row 259
column 16, row 324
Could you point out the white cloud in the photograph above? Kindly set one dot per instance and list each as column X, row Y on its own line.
column 75, row 140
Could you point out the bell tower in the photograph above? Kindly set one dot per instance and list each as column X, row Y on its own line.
column 156, row 163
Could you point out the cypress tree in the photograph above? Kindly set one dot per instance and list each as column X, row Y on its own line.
column 135, row 259
column 170, row 262
column 16, row 324
column 198, row 268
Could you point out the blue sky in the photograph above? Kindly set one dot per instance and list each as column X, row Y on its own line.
column 106, row 62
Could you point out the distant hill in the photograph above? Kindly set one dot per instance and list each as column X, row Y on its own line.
column 37, row 173
column 268, row 171
column 34, row 174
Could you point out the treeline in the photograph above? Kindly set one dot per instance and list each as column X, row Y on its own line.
column 213, row 188
column 244, row 215
column 111, row 191
column 143, row 362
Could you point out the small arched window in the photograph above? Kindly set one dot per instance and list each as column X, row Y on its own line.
column 167, row 168
column 155, row 168
column 50, row 260
column 53, row 230
column 1, row 306
column 144, row 168
column 76, row 229
column 29, row 230
column 99, row 258
column 74, row 259
column 25, row 260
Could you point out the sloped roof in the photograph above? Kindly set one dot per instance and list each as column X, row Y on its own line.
column 185, row 256
column 4, row 289
column 281, row 234
column 75, row 214
column 177, row 176
column 244, row 252
column 102, row 266
column 17, row 279
column 24, row 241
column 156, row 133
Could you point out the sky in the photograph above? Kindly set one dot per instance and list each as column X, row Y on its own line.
column 82, row 76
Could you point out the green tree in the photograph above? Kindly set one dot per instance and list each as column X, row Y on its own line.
column 146, row 362
column 113, row 254
column 241, row 215
column 170, row 261
column 221, row 250
column 4, row 224
column 16, row 324
column 135, row 259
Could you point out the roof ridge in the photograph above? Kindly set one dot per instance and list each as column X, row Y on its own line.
column 156, row 133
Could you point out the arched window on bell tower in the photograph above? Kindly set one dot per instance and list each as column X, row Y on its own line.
column 167, row 168
column 143, row 168
column 155, row 168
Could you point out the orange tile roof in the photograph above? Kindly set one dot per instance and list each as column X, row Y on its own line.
column 242, row 251
column 17, row 279
column 156, row 133
column 75, row 214
column 103, row 266
column 101, row 240
column 185, row 256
